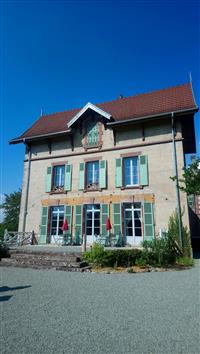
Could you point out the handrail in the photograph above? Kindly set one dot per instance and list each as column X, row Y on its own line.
column 18, row 238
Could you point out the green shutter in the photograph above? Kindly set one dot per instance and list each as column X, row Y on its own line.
column 148, row 221
column 102, row 179
column 48, row 179
column 68, row 216
column 117, row 219
column 118, row 172
column 43, row 225
column 104, row 216
column 68, row 177
column 81, row 185
column 144, row 178
column 78, row 227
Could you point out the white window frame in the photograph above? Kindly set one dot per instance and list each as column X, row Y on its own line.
column 131, row 172
column 58, row 212
column 132, row 209
column 93, row 209
column 61, row 186
column 93, row 173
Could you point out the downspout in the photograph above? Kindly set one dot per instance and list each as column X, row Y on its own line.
column 176, row 181
column 27, row 185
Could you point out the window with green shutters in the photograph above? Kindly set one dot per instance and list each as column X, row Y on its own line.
column 58, row 178
column 131, row 171
column 117, row 219
column 93, row 175
column 104, row 217
column 149, row 232
column 43, row 225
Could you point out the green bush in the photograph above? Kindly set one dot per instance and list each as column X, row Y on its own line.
column 166, row 250
column 173, row 233
column 112, row 258
column 159, row 252
column 141, row 262
column 185, row 261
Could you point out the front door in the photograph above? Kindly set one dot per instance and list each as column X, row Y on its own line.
column 133, row 223
column 57, row 217
column 92, row 223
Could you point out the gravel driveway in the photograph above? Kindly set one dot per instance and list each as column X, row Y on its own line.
column 46, row 311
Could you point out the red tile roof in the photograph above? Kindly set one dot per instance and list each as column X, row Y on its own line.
column 171, row 99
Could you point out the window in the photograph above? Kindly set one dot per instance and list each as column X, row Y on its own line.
column 133, row 220
column 58, row 178
column 131, row 171
column 92, row 133
column 93, row 220
column 92, row 175
column 57, row 217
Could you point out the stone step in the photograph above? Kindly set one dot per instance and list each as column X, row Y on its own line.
column 59, row 261
column 69, row 258
column 33, row 261
column 15, row 253
column 71, row 267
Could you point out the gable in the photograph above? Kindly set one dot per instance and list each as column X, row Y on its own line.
column 89, row 106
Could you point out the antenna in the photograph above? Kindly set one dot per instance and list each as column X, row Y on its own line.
column 190, row 76
column 41, row 112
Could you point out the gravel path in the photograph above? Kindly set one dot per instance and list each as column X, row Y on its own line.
column 154, row 313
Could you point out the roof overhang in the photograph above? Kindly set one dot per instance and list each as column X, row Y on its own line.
column 151, row 117
column 38, row 137
column 84, row 109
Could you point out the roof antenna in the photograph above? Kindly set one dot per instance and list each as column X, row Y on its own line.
column 190, row 76
column 41, row 112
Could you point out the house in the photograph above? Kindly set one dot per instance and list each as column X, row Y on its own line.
column 111, row 160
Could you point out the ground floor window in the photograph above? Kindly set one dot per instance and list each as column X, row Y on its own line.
column 133, row 220
column 92, row 220
column 57, row 217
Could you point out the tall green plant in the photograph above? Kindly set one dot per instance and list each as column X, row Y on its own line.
column 173, row 234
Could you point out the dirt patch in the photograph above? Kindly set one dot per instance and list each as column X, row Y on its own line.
column 137, row 269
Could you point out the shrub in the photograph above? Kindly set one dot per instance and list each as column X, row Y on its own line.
column 173, row 234
column 185, row 261
column 141, row 262
column 159, row 252
column 112, row 258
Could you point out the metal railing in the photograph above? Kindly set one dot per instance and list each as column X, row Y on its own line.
column 16, row 238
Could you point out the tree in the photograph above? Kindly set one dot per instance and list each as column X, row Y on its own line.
column 11, row 209
column 190, row 181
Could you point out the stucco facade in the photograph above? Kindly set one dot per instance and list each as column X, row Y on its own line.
column 154, row 141
column 103, row 172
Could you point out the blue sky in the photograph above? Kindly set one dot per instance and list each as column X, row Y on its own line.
column 58, row 55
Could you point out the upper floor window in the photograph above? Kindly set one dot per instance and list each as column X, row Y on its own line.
column 131, row 171
column 58, row 178
column 92, row 133
column 92, row 175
